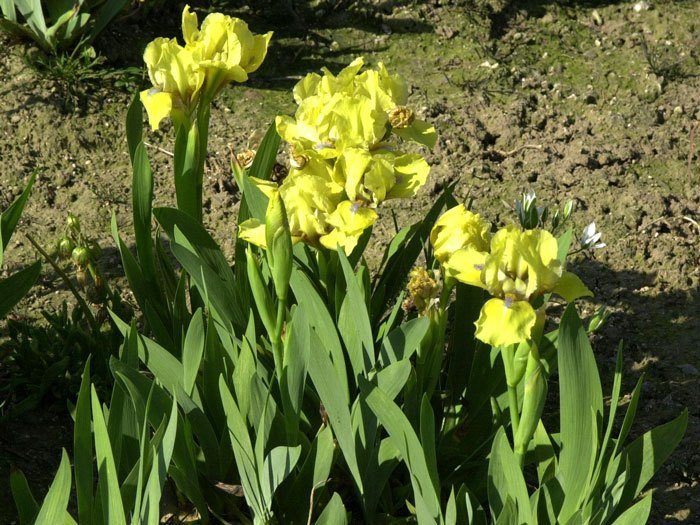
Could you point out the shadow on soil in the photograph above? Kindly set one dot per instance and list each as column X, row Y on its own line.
column 659, row 334
column 300, row 44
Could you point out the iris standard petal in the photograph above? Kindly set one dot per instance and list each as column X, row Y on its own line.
column 253, row 231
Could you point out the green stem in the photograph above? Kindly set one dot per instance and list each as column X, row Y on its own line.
column 277, row 346
column 97, row 274
column 81, row 302
column 446, row 293
column 513, row 407
column 203, row 117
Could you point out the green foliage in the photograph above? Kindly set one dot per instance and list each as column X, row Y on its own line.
column 79, row 71
column 59, row 25
column 14, row 287
column 44, row 362
column 130, row 476
column 294, row 388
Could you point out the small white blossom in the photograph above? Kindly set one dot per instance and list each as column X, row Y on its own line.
column 529, row 198
column 590, row 238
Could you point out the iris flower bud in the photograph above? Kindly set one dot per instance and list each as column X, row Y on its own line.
column 568, row 209
column 279, row 244
column 534, row 395
column 599, row 319
column 73, row 222
column 260, row 294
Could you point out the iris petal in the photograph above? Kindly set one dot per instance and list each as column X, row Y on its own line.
column 158, row 106
column 502, row 324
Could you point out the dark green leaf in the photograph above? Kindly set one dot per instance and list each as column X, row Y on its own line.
column 505, row 480
column 266, row 155
column 110, row 496
column 326, row 378
column 27, row 506
column 16, row 286
column 142, row 201
column 10, row 217
column 193, row 350
column 404, row 438
column 134, row 125
column 202, row 259
column 82, row 450
column 647, row 453
column 636, row 514
column 354, row 324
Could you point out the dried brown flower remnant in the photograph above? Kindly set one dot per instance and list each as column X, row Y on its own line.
column 401, row 117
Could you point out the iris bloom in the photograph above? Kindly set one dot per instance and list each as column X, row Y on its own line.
column 226, row 50
column 516, row 267
column 345, row 159
column 352, row 120
column 521, row 267
column 176, row 79
column 460, row 240
column 221, row 51
column 459, row 229
column 317, row 211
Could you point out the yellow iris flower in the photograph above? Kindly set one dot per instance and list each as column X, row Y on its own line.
column 459, row 229
column 176, row 79
column 347, row 119
column 522, row 266
column 224, row 46
column 349, row 220
column 344, row 161
column 516, row 267
column 316, row 211
column 221, row 51
column 352, row 109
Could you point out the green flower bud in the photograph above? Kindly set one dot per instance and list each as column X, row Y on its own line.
column 80, row 256
column 598, row 320
column 568, row 209
column 520, row 359
column 65, row 247
column 260, row 293
column 279, row 245
column 534, row 395
column 73, row 222
column 556, row 220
